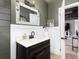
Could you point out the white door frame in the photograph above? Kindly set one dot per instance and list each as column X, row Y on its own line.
column 61, row 17
column 72, row 5
column 62, row 25
column 62, row 31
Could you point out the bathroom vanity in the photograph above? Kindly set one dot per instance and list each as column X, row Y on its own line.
column 33, row 49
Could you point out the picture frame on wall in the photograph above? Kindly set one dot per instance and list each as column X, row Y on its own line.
column 31, row 3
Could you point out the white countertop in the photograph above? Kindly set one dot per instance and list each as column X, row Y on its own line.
column 30, row 42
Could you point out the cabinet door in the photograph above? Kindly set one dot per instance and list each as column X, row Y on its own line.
column 41, row 55
column 44, row 54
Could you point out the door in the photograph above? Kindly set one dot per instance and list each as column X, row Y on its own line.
column 43, row 54
column 62, row 29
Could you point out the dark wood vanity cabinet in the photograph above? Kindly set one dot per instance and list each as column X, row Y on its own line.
column 38, row 51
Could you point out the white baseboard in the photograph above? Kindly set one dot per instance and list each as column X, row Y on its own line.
column 55, row 51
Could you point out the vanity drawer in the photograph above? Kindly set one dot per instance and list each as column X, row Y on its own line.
column 44, row 54
column 38, row 47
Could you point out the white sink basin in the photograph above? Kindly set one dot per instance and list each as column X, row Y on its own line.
column 29, row 42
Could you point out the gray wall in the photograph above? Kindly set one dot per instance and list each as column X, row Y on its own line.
column 67, row 2
column 42, row 6
column 53, row 11
column 5, row 3
column 13, row 11
column 4, row 29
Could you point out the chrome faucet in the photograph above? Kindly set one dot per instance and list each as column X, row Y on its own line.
column 32, row 35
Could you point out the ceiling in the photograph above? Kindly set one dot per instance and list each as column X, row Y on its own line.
column 53, row 1
column 49, row 1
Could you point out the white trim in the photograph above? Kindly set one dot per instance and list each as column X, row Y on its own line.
column 55, row 51
column 61, row 25
column 28, row 7
column 72, row 5
column 78, row 28
column 78, row 11
column 20, row 22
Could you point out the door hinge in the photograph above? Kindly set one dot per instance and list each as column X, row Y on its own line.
column 60, row 49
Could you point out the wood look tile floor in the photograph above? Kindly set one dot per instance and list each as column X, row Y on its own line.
column 71, row 54
column 68, row 56
column 53, row 56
